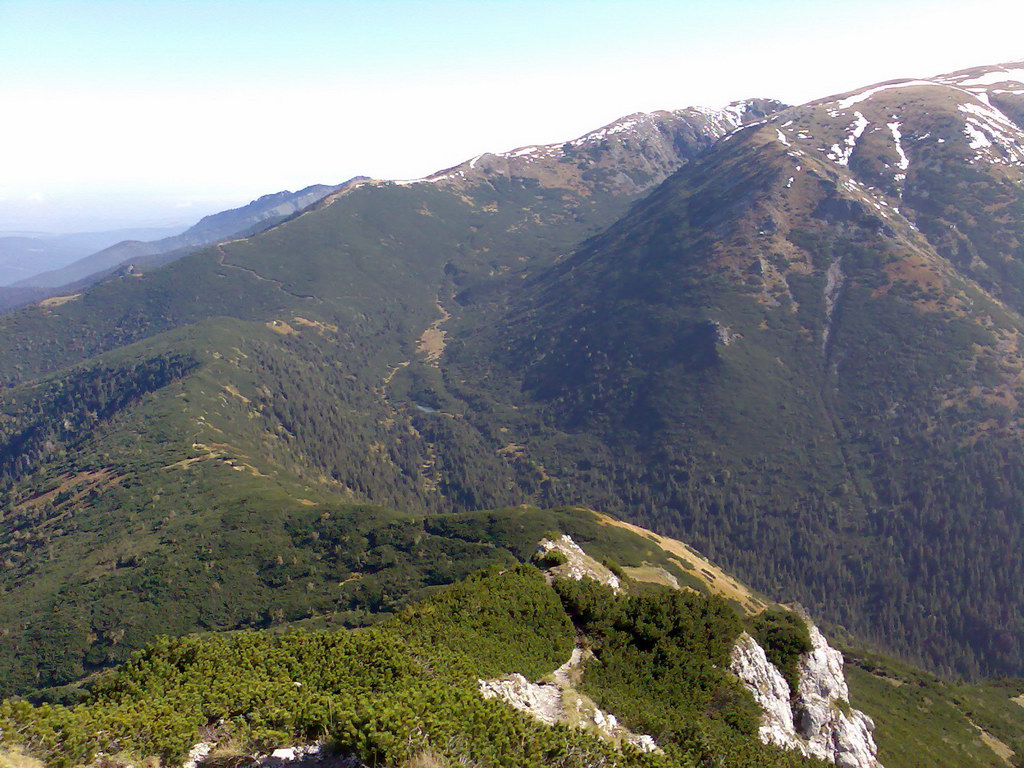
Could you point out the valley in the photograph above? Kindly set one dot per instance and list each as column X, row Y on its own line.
column 788, row 336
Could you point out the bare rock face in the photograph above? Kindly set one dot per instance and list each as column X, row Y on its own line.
column 578, row 564
column 818, row 720
column 301, row 756
column 542, row 700
column 823, row 716
column 559, row 702
column 770, row 689
column 198, row 753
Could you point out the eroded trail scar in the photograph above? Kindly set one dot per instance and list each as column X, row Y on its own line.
column 222, row 261
column 430, row 345
column 432, row 340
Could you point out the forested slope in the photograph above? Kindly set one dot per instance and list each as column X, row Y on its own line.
column 773, row 354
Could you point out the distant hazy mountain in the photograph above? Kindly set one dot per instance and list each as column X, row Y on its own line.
column 261, row 213
column 23, row 255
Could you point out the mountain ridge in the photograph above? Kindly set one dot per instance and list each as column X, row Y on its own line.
column 763, row 220
column 262, row 212
column 798, row 349
column 513, row 604
column 657, row 134
column 742, row 360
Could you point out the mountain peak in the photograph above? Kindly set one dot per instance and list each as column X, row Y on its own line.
column 996, row 87
column 662, row 139
column 1010, row 75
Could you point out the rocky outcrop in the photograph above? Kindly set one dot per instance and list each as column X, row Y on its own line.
column 770, row 689
column 542, row 700
column 823, row 716
column 559, row 702
column 198, row 753
column 578, row 564
column 818, row 719
column 302, row 756
column 308, row 756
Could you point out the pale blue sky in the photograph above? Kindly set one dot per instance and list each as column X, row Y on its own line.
column 129, row 111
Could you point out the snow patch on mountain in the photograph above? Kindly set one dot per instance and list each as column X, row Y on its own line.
column 842, row 154
column 623, row 125
column 523, row 151
column 994, row 77
column 856, row 98
column 904, row 162
column 429, row 179
column 989, row 113
column 737, row 110
column 730, row 116
column 977, row 138
column 992, row 135
column 651, row 132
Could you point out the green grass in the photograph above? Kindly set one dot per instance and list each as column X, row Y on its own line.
column 923, row 721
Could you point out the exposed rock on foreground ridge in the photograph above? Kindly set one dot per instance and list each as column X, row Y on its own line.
column 578, row 564
column 818, row 720
column 558, row 702
column 307, row 756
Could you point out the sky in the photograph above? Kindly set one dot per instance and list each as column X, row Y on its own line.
column 146, row 112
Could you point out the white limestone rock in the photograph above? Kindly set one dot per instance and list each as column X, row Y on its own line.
column 292, row 754
column 822, row 696
column 578, row 564
column 198, row 753
column 770, row 689
column 305, row 756
column 818, row 720
column 643, row 742
column 548, row 702
column 542, row 700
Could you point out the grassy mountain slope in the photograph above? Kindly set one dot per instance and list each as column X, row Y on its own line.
column 923, row 720
column 202, row 469
column 482, row 222
column 172, row 494
column 772, row 359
